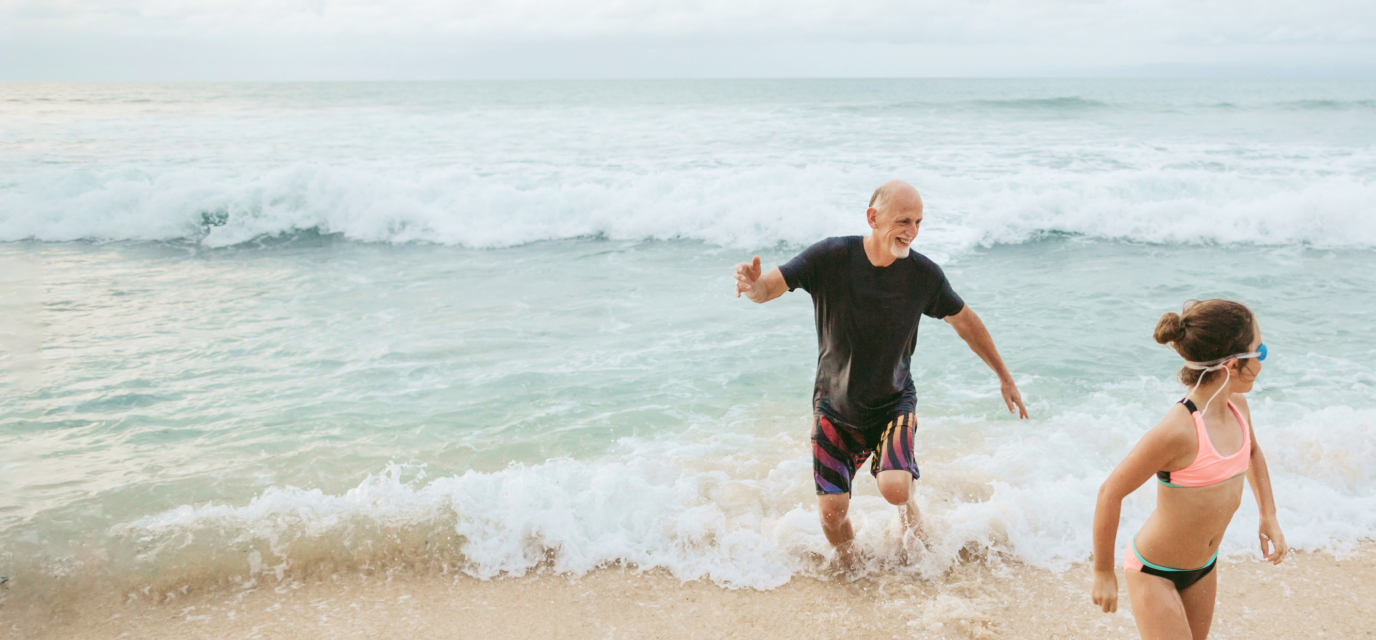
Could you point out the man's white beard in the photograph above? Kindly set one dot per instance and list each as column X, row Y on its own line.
column 899, row 251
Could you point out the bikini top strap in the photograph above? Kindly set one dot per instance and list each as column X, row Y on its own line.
column 1201, row 432
column 1246, row 426
column 1165, row 476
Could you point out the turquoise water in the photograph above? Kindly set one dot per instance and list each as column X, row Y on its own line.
column 251, row 326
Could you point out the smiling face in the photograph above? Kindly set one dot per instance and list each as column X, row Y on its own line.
column 896, row 220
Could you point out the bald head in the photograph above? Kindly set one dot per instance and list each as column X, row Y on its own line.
column 895, row 213
column 895, row 193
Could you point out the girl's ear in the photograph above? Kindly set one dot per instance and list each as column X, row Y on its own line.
column 1241, row 368
column 1234, row 369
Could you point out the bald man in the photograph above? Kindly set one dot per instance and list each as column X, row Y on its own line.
column 869, row 294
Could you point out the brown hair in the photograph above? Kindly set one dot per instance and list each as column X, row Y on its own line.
column 1205, row 331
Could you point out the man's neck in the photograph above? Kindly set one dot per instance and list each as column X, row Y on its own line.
column 879, row 256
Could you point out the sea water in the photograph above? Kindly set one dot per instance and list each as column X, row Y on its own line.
column 251, row 330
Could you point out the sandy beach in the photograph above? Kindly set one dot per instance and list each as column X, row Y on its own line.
column 1311, row 595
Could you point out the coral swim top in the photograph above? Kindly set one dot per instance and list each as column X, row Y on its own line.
column 1208, row 467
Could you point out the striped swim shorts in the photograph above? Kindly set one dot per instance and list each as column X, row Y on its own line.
column 839, row 449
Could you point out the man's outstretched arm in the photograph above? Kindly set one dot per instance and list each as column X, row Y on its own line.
column 759, row 288
column 971, row 329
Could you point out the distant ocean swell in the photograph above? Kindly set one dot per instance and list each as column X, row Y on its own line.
column 751, row 207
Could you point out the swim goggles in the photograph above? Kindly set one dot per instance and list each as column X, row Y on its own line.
column 1222, row 363
column 1259, row 354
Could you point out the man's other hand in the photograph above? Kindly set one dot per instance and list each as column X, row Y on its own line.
column 747, row 274
column 1013, row 398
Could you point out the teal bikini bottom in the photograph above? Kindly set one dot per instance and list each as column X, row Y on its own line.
column 1183, row 578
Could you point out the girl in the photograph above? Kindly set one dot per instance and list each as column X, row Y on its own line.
column 1199, row 454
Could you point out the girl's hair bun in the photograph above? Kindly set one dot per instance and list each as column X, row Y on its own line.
column 1216, row 329
column 1170, row 328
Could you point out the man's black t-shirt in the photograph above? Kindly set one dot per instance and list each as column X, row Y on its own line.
column 867, row 326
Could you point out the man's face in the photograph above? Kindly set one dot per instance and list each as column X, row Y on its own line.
column 897, row 224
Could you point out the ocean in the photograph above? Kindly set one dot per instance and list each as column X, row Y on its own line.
column 252, row 331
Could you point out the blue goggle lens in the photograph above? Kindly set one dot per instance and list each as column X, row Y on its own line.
column 1261, row 351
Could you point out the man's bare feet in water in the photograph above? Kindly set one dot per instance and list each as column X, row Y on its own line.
column 848, row 563
column 913, row 544
column 835, row 564
column 911, row 517
column 845, row 558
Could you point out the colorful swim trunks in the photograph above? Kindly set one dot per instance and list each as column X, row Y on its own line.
column 838, row 450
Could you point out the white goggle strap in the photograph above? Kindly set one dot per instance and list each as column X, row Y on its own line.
column 1214, row 365
column 1217, row 364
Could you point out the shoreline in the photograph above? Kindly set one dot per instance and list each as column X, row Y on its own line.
column 1311, row 595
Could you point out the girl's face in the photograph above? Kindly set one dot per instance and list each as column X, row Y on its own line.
column 1246, row 370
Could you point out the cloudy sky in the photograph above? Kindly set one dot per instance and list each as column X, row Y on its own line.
column 458, row 39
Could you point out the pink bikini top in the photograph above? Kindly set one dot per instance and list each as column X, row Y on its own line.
column 1208, row 467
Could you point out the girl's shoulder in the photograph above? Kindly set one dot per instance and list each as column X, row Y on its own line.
column 1179, row 416
column 1177, row 428
column 1240, row 401
column 1168, row 446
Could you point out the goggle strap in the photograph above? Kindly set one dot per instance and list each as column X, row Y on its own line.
column 1221, row 362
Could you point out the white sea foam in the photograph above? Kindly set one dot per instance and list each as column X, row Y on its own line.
column 751, row 207
column 731, row 509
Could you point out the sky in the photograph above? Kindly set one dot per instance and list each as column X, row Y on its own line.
column 492, row 39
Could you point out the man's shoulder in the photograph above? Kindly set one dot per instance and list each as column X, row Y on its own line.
column 833, row 246
column 837, row 242
column 923, row 263
column 810, row 269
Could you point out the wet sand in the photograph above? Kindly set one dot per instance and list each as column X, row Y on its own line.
column 1310, row 595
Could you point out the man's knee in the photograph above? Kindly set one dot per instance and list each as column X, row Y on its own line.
column 896, row 486
column 833, row 509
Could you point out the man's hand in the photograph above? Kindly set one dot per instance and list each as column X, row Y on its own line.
column 747, row 274
column 1012, row 397
column 759, row 288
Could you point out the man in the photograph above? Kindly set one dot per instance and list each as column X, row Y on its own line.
column 869, row 294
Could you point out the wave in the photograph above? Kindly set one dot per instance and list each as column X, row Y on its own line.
column 1071, row 105
column 756, row 207
column 1328, row 105
column 1081, row 107
column 1063, row 103
column 732, row 508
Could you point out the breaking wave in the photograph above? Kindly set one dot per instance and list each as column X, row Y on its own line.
column 753, row 207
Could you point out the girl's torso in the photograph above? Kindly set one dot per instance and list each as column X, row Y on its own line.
column 1195, row 503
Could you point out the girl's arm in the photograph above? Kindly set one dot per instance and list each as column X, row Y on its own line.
column 1164, row 447
column 1259, row 478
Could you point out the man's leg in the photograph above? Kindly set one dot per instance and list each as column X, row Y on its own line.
column 895, row 469
column 834, row 510
column 833, row 465
column 899, row 488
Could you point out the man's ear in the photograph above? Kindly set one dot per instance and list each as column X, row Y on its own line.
column 872, row 214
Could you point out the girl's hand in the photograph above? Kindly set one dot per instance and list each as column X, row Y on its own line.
column 1105, row 591
column 1269, row 533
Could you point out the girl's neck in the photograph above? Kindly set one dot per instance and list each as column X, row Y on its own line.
column 1219, row 407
